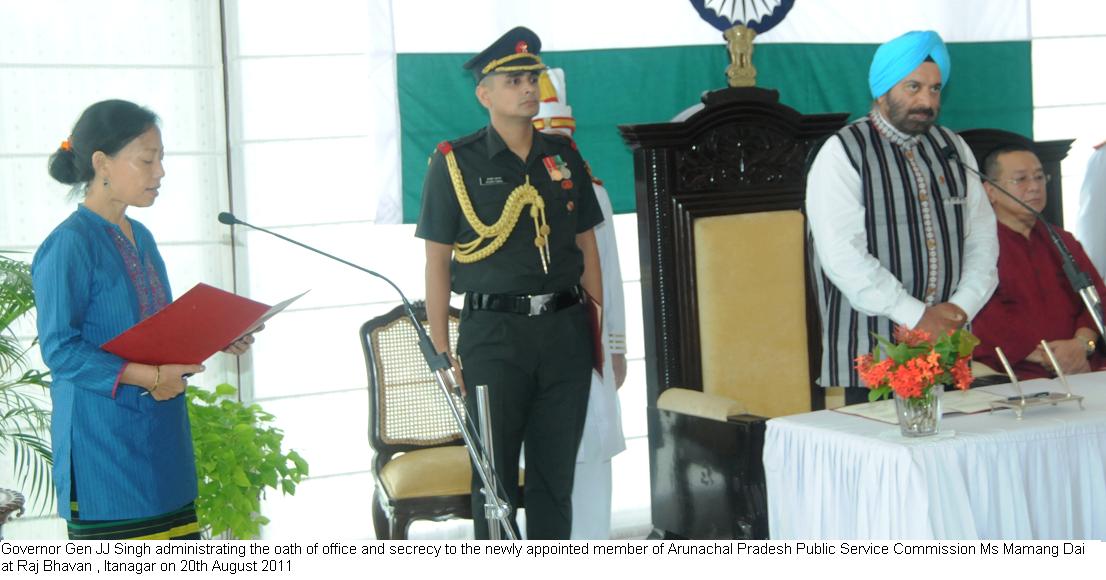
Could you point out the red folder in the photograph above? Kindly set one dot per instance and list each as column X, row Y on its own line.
column 598, row 338
column 203, row 321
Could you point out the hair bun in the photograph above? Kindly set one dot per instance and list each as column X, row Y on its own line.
column 63, row 166
column 107, row 127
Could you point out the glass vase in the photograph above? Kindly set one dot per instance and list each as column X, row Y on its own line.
column 920, row 416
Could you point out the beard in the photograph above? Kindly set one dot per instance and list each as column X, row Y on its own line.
column 900, row 117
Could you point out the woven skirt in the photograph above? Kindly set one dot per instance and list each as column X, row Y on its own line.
column 179, row 524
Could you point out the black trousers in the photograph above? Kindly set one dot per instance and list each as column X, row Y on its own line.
column 538, row 372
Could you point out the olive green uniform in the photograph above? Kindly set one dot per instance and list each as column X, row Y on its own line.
column 537, row 367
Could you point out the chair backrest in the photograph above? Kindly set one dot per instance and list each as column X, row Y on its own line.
column 752, row 310
column 726, row 298
column 407, row 409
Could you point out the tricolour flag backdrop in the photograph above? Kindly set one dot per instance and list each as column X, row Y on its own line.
column 634, row 61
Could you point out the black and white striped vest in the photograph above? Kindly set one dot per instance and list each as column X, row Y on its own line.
column 914, row 201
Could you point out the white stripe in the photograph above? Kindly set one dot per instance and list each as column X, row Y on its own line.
column 877, row 21
column 448, row 26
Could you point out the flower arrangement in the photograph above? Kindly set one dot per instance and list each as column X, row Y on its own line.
column 915, row 362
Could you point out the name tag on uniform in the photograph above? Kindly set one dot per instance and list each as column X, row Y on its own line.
column 491, row 181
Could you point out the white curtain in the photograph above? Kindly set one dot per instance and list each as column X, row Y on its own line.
column 314, row 140
column 59, row 56
column 1069, row 91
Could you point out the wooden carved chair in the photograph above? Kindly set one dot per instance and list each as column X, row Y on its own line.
column 421, row 468
column 731, row 327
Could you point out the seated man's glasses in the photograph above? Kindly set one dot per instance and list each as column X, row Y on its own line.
column 1039, row 179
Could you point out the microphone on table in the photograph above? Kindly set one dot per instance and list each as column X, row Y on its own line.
column 438, row 361
column 1080, row 281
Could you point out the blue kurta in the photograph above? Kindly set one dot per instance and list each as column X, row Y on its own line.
column 131, row 454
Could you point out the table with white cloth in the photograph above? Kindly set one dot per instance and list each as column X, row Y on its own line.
column 834, row 476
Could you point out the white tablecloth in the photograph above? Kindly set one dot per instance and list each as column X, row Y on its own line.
column 836, row 476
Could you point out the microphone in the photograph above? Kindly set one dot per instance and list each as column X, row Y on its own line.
column 442, row 370
column 444, row 373
column 437, row 361
column 1080, row 281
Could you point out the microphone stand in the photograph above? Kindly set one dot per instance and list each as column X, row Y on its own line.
column 1080, row 281
column 497, row 507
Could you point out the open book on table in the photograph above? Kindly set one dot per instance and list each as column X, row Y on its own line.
column 966, row 402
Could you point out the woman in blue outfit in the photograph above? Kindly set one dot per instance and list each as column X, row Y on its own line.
column 123, row 461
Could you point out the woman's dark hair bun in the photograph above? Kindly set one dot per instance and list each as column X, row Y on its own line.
column 63, row 167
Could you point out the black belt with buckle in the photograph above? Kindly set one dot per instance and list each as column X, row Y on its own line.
column 529, row 304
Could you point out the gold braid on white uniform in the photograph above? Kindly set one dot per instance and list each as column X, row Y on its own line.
column 497, row 233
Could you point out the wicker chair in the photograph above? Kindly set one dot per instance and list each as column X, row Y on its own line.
column 421, row 467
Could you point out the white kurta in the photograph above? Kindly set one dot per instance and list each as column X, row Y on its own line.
column 603, row 438
column 835, row 211
column 1091, row 226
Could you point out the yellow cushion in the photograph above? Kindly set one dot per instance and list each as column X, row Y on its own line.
column 752, row 310
column 689, row 402
column 438, row 471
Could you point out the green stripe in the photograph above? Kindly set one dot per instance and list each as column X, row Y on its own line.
column 991, row 86
column 91, row 524
column 134, row 528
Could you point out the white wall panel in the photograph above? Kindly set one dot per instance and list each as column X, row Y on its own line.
column 1057, row 83
column 110, row 32
column 314, row 351
column 311, row 182
column 1065, row 18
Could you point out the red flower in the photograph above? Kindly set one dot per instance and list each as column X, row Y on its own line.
column 962, row 373
column 929, row 366
column 908, row 381
column 863, row 363
column 872, row 374
column 911, row 337
column 915, row 365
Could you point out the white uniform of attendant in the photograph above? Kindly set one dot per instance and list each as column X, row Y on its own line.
column 603, row 438
column 1092, row 209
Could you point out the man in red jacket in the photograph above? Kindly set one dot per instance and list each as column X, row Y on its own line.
column 1034, row 300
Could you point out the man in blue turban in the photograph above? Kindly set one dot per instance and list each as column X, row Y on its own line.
column 902, row 235
column 921, row 56
column 898, row 58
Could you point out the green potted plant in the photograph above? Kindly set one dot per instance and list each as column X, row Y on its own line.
column 238, row 456
column 24, row 409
